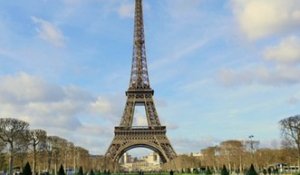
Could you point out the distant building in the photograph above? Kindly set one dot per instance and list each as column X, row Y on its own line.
column 150, row 162
column 126, row 158
column 199, row 154
column 152, row 159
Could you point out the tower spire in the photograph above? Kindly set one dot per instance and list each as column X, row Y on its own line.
column 139, row 78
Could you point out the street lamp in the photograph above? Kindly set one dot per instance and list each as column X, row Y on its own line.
column 251, row 147
column 251, row 143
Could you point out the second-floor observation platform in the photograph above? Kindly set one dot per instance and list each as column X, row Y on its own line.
column 140, row 130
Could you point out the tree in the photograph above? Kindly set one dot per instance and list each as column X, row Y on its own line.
column 92, row 172
column 267, row 156
column 2, row 155
column 287, row 154
column 224, row 171
column 82, row 157
column 80, row 172
column 37, row 138
column 55, row 147
column 209, row 156
column 208, row 171
column 49, row 152
column 251, row 171
column 61, row 170
column 251, row 147
column 14, row 133
column 2, row 145
column 68, row 153
column 290, row 129
column 232, row 151
column 27, row 169
column 3, row 164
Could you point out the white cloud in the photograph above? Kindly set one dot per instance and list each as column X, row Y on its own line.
column 24, row 88
column 95, row 130
column 108, row 107
column 126, row 11
column 171, row 126
column 278, row 76
column 293, row 100
column 49, row 32
column 288, row 51
column 40, row 102
column 101, row 105
column 141, row 120
column 260, row 18
column 60, row 110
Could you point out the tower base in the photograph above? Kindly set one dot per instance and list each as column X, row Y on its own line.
column 153, row 138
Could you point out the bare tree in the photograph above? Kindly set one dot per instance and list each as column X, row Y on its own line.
column 37, row 142
column 232, row 152
column 251, row 147
column 68, row 154
column 209, row 156
column 49, row 150
column 290, row 129
column 2, row 155
column 55, row 149
column 13, row 132
column 2, row 145
column 82, row 157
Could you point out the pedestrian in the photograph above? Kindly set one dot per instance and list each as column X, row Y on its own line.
column 264, row 171
column 269, row 171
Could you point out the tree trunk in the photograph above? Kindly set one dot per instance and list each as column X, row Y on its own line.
column 34, row 159
column 55, row 168
column 240, row 167
column 49, row 163
column 74, row 163
column 298, row 159
column 65, row 163
column 11, row 158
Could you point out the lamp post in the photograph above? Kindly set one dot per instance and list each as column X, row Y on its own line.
column 251, row 147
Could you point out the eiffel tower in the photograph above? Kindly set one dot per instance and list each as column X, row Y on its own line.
column 140, row 93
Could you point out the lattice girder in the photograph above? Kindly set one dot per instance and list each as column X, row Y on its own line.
column 140, row 93
column 139, row 78
column 155, row 140
column 144, row 98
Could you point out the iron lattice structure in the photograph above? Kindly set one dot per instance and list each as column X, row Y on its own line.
column 140, row 93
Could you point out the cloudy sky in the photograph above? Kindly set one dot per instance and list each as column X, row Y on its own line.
column 220, row 69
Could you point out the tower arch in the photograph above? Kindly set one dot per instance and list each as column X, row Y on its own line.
column 149, row 146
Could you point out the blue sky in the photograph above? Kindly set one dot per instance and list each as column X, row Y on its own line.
column 220, row 69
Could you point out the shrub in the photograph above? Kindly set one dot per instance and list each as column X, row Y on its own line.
column 224, row 171
column 251, row 171
column 92, row 172
column 208, row 171
column 80, row 172
column 61, row 170
column 27, row 169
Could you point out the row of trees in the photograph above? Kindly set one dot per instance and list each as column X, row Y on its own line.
column 240, row 154
column 235, row 155
column 19, row 144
